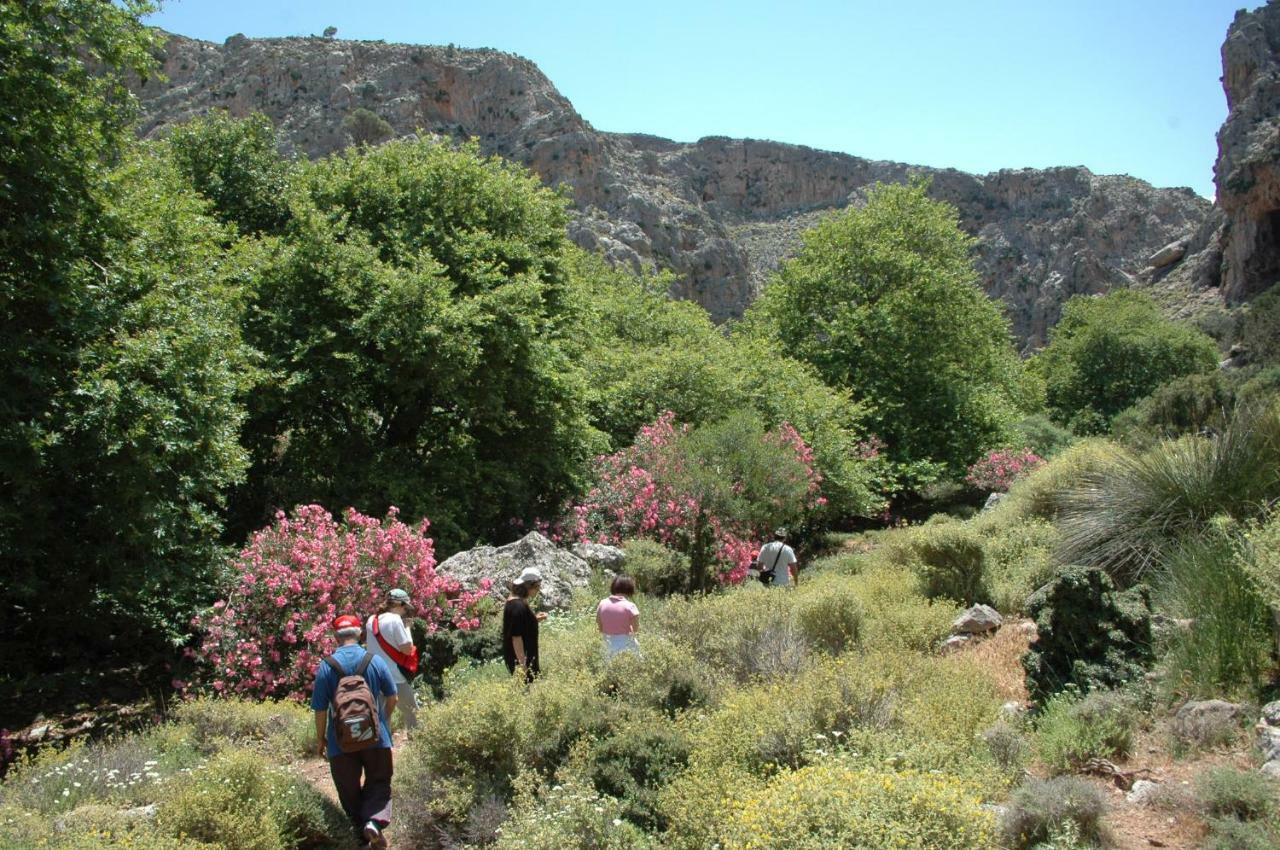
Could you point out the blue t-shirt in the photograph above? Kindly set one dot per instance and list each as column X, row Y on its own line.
column 380, row 683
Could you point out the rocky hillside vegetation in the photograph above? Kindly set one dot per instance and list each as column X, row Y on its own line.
column 720, row 212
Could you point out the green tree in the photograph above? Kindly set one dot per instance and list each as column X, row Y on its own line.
column 366, row 127
column 1106, row 354
column 59, row 125
column 413, row 318
column 118, row 419
column 123, row 525
column 883, row 300
column 235, row 164
column 645, row 353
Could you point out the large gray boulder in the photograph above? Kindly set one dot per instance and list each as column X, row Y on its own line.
column 978, row 620
column 1206, row 720
column 609, row 559
column 562, row 572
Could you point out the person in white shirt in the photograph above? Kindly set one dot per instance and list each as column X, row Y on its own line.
column 394, row 633
column 778, row 559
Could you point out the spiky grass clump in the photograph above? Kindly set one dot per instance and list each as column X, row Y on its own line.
column 1125, row 516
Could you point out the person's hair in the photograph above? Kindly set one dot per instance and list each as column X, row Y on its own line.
column 352, row 632
column 522, row 590
column 622, row 586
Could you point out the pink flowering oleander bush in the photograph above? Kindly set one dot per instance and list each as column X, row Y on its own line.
column 717, row 490
column 1002, row 467
column 265, row 638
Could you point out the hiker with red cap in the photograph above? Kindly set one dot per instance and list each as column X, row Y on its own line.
column 353, row 696
column 387, row 636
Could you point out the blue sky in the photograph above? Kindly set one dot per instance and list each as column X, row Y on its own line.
column 1119, row 86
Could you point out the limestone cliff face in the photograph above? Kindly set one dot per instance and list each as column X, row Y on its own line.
column 1247, row 173
column 720, row 212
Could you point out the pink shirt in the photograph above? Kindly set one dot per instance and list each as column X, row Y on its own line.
column 617, row 615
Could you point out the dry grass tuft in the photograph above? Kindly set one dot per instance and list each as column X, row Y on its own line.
column 999, row 657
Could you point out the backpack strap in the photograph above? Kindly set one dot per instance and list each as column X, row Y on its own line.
column 364, row 665
column 337, row 668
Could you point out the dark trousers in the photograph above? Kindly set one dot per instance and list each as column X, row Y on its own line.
column 367, row 801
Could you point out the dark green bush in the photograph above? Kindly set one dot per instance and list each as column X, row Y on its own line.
column 1090, row 635
column 636, row 763
column 657, row 570
column 1190, row 404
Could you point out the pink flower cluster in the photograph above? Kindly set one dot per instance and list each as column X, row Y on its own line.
column 287, row 585
column 638, row 493
column 1001, row 468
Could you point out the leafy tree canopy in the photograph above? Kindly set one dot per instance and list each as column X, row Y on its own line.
column 883, row 300
column 645, row 353
column 412, row 316
column 1108, row 353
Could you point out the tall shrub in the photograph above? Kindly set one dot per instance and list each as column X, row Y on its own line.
column 265, row 637
column 710, row 493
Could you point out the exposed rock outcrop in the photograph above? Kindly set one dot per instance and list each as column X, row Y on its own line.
column 720, row 212
column 562, row 572
column 1247, row 173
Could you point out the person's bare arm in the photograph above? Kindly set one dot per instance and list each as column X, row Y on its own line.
column 517, row 645
column 322, row 724
column 795, row 572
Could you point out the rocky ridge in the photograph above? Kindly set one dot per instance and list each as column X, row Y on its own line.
column 720, row 212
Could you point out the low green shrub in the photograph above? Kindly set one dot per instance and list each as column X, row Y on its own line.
column 1244, row 795
column 1232, row 834
column 1260, row 388
column 567, row 814
column 1043, row 436
column 663, row 677
column 1261, row 561
column 897, row 616
column 748, row 633
column 950, row 560
column 1258, row 327
column 282, row 729
column 1071, row 729
column 836, row 804
column 1008, row 745
column 1019, row 557
column 1090, row 635
column 829, row 614
column 657, row 570
column 635, row 763
column 1040, row 809
column 1037, row 494
column 237, row 802
column 124, row 771
column 1187, row 405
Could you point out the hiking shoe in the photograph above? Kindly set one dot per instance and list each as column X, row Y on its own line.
column 374, row 836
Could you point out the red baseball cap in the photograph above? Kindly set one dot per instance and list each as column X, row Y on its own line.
column 346, row 621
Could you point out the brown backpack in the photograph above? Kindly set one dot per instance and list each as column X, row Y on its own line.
column 355, row 710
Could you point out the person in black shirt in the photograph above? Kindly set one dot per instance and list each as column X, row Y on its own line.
column 520, row 625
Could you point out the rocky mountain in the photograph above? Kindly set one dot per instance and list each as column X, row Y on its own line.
column 722, row 212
